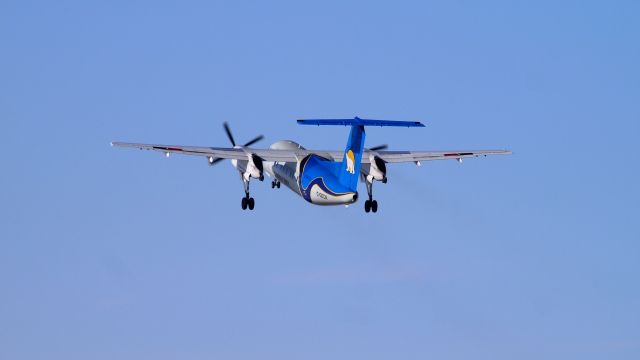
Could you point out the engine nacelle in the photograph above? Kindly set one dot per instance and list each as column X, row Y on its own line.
column 377, row 169
column 255, row 168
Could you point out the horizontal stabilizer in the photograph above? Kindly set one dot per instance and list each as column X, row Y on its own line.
column 357, row 121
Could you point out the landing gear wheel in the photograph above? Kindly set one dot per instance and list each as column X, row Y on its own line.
column 278, row 184
column 367, row 206
column 247, row 200
column 374, row 206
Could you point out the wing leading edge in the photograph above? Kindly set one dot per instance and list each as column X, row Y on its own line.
column 294, row 155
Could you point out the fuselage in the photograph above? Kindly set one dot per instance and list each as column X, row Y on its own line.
column 309, row 178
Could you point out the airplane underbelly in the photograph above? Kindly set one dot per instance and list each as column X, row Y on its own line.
column 318, row 196
column 315, row 194
column 285, row 174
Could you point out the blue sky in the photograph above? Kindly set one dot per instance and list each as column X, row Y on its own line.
column 107, row 253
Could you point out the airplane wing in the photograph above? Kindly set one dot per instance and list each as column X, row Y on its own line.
column 295, row 155
column 414, row 156
column 218, row 152
column 411, row 156
column 227, row 153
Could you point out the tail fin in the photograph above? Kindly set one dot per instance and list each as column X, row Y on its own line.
column 349, row 171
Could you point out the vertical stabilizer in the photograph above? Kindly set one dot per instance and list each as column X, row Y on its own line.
column 349, row 172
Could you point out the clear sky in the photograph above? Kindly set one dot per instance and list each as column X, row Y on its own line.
column 120, row 254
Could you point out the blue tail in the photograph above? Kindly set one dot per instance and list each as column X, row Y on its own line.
column 348, row 171
column 357, row 121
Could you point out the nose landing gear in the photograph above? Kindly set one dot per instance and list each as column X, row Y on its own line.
column 275, row 184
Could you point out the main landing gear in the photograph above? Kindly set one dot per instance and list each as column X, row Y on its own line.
column 370, row 205
column 275, row 184
column 247, row 200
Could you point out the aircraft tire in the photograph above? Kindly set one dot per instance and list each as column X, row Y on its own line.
column 244, row 203
column 367, row 206
column 251, row 204
column 374, row 206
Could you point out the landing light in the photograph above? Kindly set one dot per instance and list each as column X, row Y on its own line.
column 167, row 154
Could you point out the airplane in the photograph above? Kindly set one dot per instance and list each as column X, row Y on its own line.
column 321, row 177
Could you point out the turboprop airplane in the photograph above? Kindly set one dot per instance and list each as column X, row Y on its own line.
column 321, row 177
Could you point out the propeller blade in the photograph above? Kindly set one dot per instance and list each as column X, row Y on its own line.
column 215, row 161
column 379, row 147
column 228, row 131
column 255, row 140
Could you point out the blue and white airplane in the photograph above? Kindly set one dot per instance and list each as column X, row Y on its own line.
column 321, row 177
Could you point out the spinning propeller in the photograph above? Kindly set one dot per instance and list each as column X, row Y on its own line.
column 233, row 142
column 379, row 147
column 376, row 163
column 227, row 129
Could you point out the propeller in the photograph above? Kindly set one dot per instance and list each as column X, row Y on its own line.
column 254, row 140
column 229, row 135
column 379, row 147
column 213, row 161
column 227, row 130
column 379, row 163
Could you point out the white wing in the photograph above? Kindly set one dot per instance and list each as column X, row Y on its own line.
column 413, row 156
column 294, row 155
column 216, row 152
